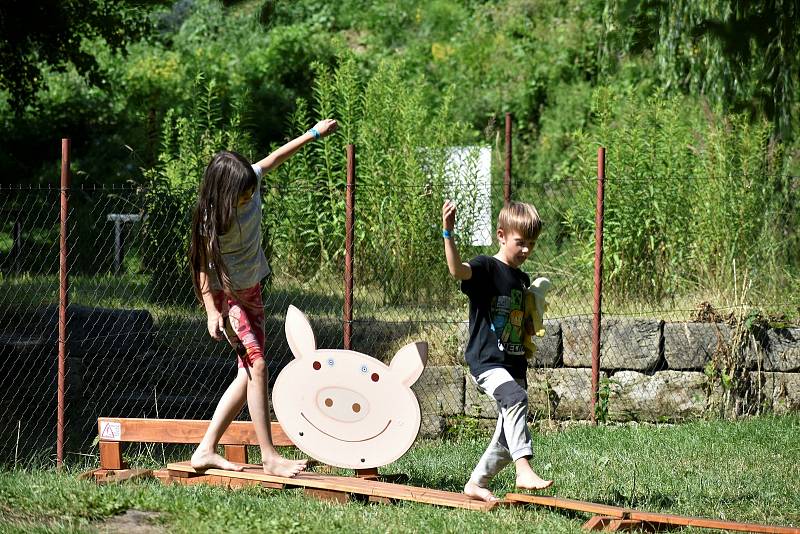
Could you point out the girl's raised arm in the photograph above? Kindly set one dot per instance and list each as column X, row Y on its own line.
column 321, row 129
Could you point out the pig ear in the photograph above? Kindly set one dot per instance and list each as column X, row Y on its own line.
column 410, row 361
column 299, row 333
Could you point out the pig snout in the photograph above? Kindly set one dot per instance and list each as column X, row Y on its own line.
column 342, row 404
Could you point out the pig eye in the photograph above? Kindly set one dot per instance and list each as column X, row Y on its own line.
column 375, row 377
column 317, row 366
column 364, row 369
column 330, row 362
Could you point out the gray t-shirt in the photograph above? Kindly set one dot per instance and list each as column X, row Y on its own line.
column 241, row 245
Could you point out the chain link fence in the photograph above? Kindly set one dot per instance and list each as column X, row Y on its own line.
column 703, row 320
column 138, row 344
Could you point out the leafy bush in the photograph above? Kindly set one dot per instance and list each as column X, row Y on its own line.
column 401, row 157
column 689, row 192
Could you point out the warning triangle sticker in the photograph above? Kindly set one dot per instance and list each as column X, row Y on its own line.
column 111, row 430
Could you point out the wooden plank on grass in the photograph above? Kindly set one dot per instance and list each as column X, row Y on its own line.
column 569, row 504
column 380, row 491
column 123, row 429
column 646, row 518
column 703, row 522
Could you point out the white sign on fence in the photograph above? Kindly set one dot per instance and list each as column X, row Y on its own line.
column 468, row 175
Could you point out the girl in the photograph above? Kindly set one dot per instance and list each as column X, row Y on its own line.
column 227, row 265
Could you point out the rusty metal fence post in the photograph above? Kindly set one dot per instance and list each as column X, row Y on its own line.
column 598, row 278
column 350, row 199
column 63, row 284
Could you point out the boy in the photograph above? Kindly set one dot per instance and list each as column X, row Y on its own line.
column 495, row 352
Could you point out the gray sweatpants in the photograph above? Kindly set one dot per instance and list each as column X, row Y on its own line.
column 511, row 439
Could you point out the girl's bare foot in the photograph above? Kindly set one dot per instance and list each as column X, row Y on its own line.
column 282, row 467
column 532, row 481
column 208, row 460
column 476, row 492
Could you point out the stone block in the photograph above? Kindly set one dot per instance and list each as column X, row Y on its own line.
column 549, row 353
column 477, row 403
column 778, row 391
column 563, row 393
column 576, row 339
column 440, row 391
column 624, row 343
column 662, row 396
column 692, row 345
column 432, row 426
column 782, row 351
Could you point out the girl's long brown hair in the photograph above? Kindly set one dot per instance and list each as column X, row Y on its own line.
column 228, row 176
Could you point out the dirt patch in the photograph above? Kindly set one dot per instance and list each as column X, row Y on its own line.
column 132, row 521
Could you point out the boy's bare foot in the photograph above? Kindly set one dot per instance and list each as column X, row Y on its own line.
column 476, row 492
column 282, row 467
column 209, row 460
column 532, row 481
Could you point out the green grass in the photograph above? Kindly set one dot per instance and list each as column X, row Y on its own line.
column 745, row 471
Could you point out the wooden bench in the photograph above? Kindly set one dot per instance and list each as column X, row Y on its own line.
column 114, row 432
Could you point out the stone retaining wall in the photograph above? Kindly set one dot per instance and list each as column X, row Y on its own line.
column 650, row 371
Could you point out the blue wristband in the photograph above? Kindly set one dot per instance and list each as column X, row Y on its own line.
column 314, row 132
column 446, row 234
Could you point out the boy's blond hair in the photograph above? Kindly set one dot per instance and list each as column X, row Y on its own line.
column 522, row 218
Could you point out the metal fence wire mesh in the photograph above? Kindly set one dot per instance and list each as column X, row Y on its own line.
column 138, row 344
column 29, row 223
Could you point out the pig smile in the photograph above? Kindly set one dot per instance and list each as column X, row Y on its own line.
column 347, row 440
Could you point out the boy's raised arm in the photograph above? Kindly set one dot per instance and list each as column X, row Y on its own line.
column 322, row 128
column 458, row 269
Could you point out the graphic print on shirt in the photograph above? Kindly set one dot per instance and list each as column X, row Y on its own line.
column 507, row 314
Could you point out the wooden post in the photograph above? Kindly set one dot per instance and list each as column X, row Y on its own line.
column 111, row 455
column 236, row 453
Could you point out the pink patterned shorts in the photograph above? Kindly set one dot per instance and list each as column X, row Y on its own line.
column 247, row 318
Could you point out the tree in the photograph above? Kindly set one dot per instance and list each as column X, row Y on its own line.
column 49, row 32
column 742, row 55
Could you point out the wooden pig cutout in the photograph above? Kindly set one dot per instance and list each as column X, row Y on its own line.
column 345, row 408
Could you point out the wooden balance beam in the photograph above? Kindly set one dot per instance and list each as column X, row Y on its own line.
column 114, row 432
column 331, row 487
column 615, row 518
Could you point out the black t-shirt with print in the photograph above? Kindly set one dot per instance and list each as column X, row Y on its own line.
column 496, row 307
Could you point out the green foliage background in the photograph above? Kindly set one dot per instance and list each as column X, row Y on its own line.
column 696, row 102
